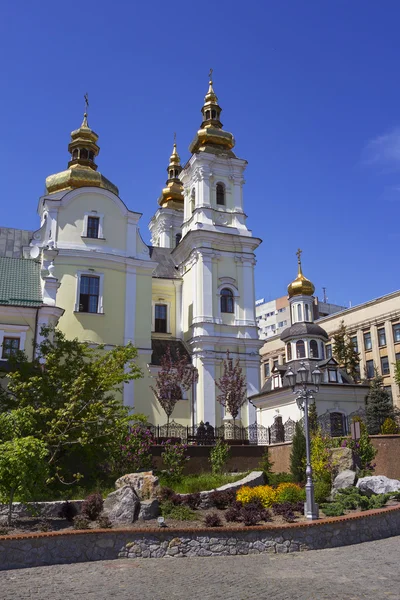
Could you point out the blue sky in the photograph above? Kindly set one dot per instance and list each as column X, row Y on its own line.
column 310, row 90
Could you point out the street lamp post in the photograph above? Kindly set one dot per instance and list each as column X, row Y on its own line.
column 303, row 395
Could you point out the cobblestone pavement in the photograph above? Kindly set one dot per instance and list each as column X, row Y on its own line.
column 369, row 570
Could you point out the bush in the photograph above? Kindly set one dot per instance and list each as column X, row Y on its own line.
column 298, row 454
column 264, row 493
column 219, row 456
column 104, row 522
column 285, row 510
column 266, row 466
column 322, row 491
column 213, row 520
column 165, row 493
column 389, row 426
column 275, row 479
column 251, row 514
column 192, row 500
column 289, row 492
column 222, row 499
column 93, row 506
column 174, row 459
column 233, row 515
column 68, row 511
column 333, row 509
column 81, row 522
column 136, row 449
column 179, row 513
column 321, row 457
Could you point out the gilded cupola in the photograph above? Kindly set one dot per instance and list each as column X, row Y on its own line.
column 211, row 136
column 172, row 194
column 301, row 286
column 82, row 170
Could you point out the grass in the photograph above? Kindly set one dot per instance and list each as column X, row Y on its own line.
column 190, row 484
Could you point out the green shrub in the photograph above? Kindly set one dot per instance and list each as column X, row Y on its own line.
column 298, row 455
column 219, row 456
column 179, row 513
column 322, row 491
column 104, row 522
column 190, row 484
column 389, row 426
column 333, row 509
column 290, row 492
column 92, row 506
column 266, row 466
column 81, row 522
column 276, row 478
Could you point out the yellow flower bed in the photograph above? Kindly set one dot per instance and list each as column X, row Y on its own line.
column 267, row 495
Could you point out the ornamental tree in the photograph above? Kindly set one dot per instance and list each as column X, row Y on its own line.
column 344, row 351
column 232, row 387
column 66, row 398
column 298, row 454
column 175, row 376
column 397, row 372
column 379, row 405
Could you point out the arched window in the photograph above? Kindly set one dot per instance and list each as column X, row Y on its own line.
column 171, row 174
column 220, row 189
column 307, row 312
column 207, row 115
column 84, row 153
column 75, row 154
column 91, row 155
column 227, row 301
column 176, row 173
column 213, row 114
column 289, row 351
column 313, row 348
column 300, row 349
column 178, row 238
column 299, row 313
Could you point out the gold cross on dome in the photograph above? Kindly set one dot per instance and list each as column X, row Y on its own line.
column 298, row 254
column 210, row 74
column 86, row 97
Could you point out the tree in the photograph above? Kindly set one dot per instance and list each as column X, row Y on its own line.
column 313, row 418
column 397, row 372
column 379, row 405
column 298, row 454
column 174, row 376
column 66, row 398
column 344, row 351
column 232, row 385
column 23, row 469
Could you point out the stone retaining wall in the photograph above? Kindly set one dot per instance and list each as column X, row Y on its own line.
column 33, row 509
column 79, row 546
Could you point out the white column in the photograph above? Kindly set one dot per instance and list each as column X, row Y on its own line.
column 391, row 356
column 248, row 291
column 203, row 187
column 208, row 376
column 129, row 327
column 178, row 309
column 375, row 347
column 131, row 234
column 206, row 285
column 237, row 193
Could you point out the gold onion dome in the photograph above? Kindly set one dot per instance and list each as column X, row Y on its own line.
column 301, row 286
column 211, row 136
column 82, row 170
column 172, row 194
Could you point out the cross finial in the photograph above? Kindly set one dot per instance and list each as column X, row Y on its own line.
column 298, row 254
column 86, row 97
column 174, row 138
column 210, row 74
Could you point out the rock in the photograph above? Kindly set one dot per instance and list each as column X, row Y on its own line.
column 145, row 484
column 344, row 480
column 149, row 509
column 122, row 506
column 378, row 484
column 342, row 459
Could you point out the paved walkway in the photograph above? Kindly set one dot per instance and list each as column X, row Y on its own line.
column 366, row 571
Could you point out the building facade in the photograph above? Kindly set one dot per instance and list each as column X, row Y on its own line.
column 192, row 290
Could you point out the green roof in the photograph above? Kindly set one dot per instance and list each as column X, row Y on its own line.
column 20, row 282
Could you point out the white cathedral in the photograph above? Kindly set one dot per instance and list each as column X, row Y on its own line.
column 88, row 270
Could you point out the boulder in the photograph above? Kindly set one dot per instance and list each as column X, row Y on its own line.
column 149, row 509
column 344, row 480
column 122, row 506
column 145, row 484
column 378, row 484
column 342, row 459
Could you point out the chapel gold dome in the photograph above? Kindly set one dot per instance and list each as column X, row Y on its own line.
column 301, row 286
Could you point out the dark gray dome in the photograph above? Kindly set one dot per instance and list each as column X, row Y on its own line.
column 299, row 329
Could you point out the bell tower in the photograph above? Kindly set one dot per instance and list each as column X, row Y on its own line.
column 216, row 260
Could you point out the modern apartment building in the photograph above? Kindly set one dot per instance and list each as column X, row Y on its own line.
column 274, row 316
column 374, row 328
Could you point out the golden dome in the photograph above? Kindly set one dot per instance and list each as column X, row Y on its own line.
column 301, row 286
column 172, row 194
column 82, row 170
column 211, row 132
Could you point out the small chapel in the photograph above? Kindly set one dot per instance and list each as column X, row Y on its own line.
column 87, row 270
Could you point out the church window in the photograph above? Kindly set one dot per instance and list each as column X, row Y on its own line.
column 300, row 349
column 91, row 155
column 171, row 174
column 93, row 227
column 160, row 318
column 84, row 154
column 75, row 154
column 313, row 349
column 213, row 114
column 289, row 351
column 10, row 346
column 299, row 312
column 266, row 370
column 176, row 173
column 207, row 115
column 328, row 349
column 220, row 194
column 178, row 238
column 227, row 301
column 307, row 312
column 89, row 294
